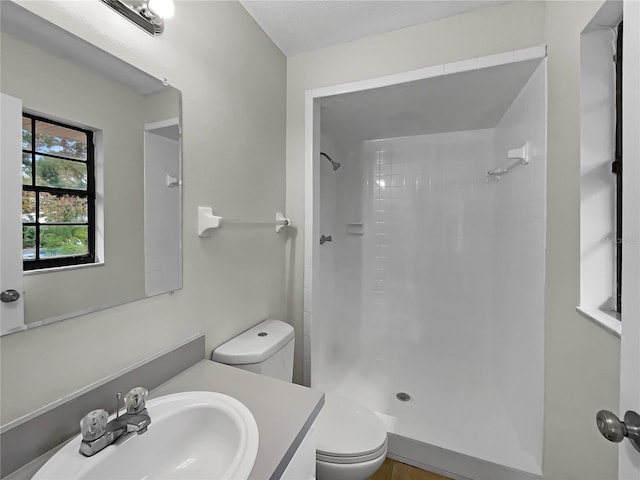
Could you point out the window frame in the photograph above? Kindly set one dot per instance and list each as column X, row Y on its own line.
column 616, row 168
column 600, row 200
column 90, row 193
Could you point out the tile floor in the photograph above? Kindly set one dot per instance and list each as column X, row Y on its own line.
column 392, row 470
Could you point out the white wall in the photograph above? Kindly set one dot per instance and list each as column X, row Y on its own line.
column 581, row 359
column 517, row 327
column 232, row 79
column 427, row 252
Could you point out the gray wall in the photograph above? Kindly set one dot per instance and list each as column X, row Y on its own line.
column 233, row 82
column 581, row 359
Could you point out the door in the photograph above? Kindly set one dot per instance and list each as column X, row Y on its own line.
column 629, row 458
column 12, row 303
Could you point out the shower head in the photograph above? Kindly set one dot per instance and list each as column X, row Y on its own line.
column 335, row 165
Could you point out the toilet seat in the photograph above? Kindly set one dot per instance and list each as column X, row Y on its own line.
column 342, row 460
column 348, row 432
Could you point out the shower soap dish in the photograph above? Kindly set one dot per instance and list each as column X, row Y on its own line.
column 356, row 228
column 523, row 153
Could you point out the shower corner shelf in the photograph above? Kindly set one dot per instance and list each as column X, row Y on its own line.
column 207, row 222
column 355, row 228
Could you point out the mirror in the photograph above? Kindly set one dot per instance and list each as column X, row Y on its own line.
column 135, row 119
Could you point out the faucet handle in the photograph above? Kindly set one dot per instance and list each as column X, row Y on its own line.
column 94, row 424
column 135, row 399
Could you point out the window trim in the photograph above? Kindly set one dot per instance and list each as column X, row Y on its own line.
column 90, row 193
column 598, row 235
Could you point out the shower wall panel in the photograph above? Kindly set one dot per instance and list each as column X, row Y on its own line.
column 340, row 263
column 426, row 254
column 433, row 284
column 518, row 277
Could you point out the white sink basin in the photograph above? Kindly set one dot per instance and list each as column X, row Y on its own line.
column 192, row 435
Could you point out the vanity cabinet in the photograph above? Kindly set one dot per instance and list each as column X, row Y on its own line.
column 303, row 464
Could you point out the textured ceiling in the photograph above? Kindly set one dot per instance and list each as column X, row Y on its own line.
column 305, row 25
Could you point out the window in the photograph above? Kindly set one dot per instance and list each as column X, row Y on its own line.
column 601, row 171
column 617, row 170
column 58, row 194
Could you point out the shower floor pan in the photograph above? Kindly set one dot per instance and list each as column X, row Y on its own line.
column 440, row 428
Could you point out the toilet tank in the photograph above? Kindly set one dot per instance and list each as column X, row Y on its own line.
column 266, row 348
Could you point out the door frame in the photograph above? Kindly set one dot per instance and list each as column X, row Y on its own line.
column 628, row 457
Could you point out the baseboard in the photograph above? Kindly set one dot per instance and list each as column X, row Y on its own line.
column 454, row 465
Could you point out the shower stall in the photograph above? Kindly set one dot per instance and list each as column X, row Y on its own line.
column 427, row 303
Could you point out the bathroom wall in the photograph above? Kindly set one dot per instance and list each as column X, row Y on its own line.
column 340, row 261
column 328, row 204
column 428, row 196
column 517, row 327
column 581, row 359
column 232, row 79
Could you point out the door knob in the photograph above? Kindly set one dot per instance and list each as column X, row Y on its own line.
column 10, row 295
column 615, row 430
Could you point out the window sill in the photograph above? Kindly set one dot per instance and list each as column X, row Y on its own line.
column 610, row 323
column 60, row 269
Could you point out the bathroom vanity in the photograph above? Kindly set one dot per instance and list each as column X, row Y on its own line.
column 284, row 413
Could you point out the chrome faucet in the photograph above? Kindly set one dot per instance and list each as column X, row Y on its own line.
column 98, row 433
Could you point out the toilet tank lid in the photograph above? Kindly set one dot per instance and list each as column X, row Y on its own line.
column 256, row 344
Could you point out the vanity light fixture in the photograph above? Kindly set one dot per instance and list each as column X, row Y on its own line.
column 147, row 14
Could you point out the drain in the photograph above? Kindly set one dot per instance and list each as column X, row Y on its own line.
column 263, row 334
column 403, row 397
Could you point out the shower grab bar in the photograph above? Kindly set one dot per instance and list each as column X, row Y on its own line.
column 207, row 221
column 520, row 155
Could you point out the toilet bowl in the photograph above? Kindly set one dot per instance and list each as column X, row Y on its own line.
column 351, row 439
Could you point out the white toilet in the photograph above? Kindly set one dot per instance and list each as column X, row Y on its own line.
column 351, row 441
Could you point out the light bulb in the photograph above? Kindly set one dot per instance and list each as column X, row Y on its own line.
column 162, row 8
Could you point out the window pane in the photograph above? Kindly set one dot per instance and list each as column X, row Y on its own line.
column 27, row 169
column 63, row 208
column 28, row 243
column 53, row 172
column 63, row 240
column 28, row 207
column 26, row 133
column 59, row 140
